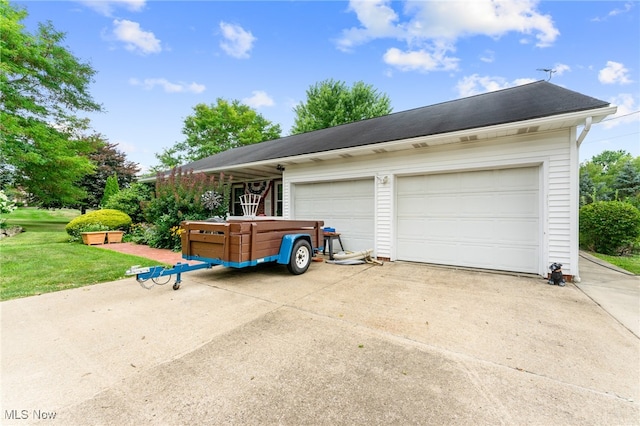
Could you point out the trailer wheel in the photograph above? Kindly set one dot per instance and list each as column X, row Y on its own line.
column 300, row 257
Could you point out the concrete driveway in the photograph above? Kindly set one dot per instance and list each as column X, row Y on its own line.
column 394, row 344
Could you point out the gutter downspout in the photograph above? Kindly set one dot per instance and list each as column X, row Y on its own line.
column 583, row 134
column 585, row 130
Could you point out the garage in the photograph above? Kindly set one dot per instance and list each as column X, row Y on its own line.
column 347, row 206
column 483, row 219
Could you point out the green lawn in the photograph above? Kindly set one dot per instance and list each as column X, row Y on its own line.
column 628, row 263
column 42, row 260
column 38, row 220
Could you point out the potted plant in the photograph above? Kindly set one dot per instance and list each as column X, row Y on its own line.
column 114, row 236
column 94, row 234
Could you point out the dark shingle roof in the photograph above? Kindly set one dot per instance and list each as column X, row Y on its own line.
column 526, row 102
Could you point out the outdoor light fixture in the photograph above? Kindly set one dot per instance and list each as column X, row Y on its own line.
column 280, row 168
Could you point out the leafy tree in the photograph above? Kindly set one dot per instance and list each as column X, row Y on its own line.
column 110, row 189
column 107, row 161
column 131, row 200
column 330, row 103
column 627, row 181
column 608, row 176
column 215, row 128
column 42, row 88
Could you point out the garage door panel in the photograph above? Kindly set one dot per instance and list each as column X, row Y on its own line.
column 524, row 178
column 440, row 205
column 347, row 206
column 439, row 252
column 485, row 219
column 522, row 232
column 525, row 204
column 410, row 205
column 471, row 230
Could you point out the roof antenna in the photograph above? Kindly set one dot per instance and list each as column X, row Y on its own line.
column 549, row 70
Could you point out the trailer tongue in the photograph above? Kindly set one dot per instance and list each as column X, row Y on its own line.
column 239, row 243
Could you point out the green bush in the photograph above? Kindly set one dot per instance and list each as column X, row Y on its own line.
column 109, row 218
column 111, row 188
column 92, row 227
column 179, row 197
column 131, row 200
column 609, row 227
column 140, row 233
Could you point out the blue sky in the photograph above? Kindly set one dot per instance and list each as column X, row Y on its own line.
column 155, row 60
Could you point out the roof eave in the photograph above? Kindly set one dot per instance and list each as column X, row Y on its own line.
column 269, row 168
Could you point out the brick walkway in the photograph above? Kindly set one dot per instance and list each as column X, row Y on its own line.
column 161, row 255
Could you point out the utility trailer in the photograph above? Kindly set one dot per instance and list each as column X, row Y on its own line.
column 240, row 243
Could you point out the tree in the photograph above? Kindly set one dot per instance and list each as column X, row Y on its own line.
column 627, row 182
column 110, row 189
column 330, row 103
column 43, row 87
column 107, row 161
column 216, row 128
column 608, row 176
column 131, row 200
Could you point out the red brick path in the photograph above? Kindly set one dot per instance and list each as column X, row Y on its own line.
column 161, row 255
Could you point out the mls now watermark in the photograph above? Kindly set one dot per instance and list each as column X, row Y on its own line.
column 29, row 414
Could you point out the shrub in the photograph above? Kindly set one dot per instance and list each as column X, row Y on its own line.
column 111, row 188
column 92, row 227
column 109, row 218
column 609, row 227
column 179, row 197
column 130, row 200
column 140, row 233
column 6, row 206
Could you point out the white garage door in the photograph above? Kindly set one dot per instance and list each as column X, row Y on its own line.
column 347, row 206
column 483, row 219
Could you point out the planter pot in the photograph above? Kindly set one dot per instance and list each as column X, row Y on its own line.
column 114, row 236
column 91, row 238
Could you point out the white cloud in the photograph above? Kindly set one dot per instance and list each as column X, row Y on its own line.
column 561, row 69
column 476, row 84
column 237, row 41
column 626, row 106
column 488, row 56
column 135, row 39
column 431, row 28
column 106, row 7
column 126, row 147
column 614, row 72
column 167, row 86
column 259, row 99
column 627, row 7
column 378, row 20
column 419, row 60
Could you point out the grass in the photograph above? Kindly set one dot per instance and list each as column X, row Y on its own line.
column 42, row 260
column 628, row 263
column 38, row 220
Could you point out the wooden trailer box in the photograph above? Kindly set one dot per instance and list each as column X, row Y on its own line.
column 239, row 241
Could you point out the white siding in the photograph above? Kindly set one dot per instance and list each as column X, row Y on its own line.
column 384, row 215
column 551, row 151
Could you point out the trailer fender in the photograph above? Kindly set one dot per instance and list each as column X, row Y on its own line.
column 284, row 256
